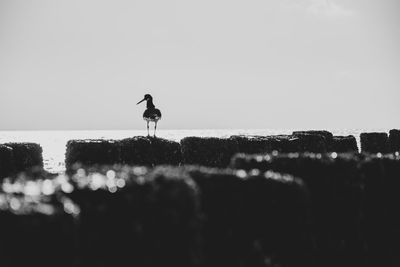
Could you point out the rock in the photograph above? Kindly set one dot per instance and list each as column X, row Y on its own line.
column 381, row 205
column 252, row 218
column 221, row 194
column 343, row 144
column 26, row 155
column 277, row 217
column 150, row 151
column 252, row 144
column 166, row 152
column 38, row 227
column 374, row 142
column 136, row 151
column 264, row 144
column 146, row 218
column 7, row 164
column 336, row 192
column 285, row 143
column 313, row 141
column 172, row 221
column 326, row 134
column 208, row 151
column 394, row 140
column 92, row 151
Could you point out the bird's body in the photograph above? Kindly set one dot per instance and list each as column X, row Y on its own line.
column 151, row 114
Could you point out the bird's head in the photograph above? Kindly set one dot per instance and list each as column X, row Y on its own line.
column 146, row 98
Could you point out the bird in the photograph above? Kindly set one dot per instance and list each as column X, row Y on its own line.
column 151, row 113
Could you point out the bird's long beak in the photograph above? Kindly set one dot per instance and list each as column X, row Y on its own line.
column 141, row 101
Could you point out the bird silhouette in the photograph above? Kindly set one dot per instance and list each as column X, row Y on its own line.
column 151, row 113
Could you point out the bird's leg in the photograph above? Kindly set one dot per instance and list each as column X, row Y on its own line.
column 155, row 128
column 148, row 132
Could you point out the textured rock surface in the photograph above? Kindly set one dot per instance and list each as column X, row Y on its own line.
column 343, row 144
column 394, row 140
column 374, row 142
column 208, row 151
column 26, row 155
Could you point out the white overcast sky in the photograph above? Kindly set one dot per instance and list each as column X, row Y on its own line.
column 83, row 64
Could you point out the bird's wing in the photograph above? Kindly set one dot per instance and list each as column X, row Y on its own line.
column 158, row 113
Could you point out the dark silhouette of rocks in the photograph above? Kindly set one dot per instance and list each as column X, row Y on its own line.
column 89, row 152
column 252, row 144
column 285, row 143
column 38, row 228
column 328, row 210
column 19, row 157
column 26, row 155
column 382, row 221
column 217, row 152
column 7, row 164
column 328, row 136
column 336, row 192
column 268, row 208
column 221, row 205
column 150, row 151
column 173, row 222
column 314, row 141
column 374, row 142
column 136, row 217
column 276, row 218
column 263, row 144
column 394, row 140
column 137, row 150
column 343, row 144
column 208, row 151
column 243, row 225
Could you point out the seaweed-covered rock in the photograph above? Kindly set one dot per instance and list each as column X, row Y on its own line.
column 150, row 151
column 336, row 191
column 343, row 144
column 136, row 151
column 221, row 192
column 146, row 219
column 264, row 144
column 38, row 227
column 7, row 164
column 394, row 140
column 382, row 219
column 276, row 218
column 284, row 143
column 208, row 151
column 172, row 222
column 326, row 134
column 89, row 152
column 252, row 144
column 26, row 155
column 313, row 141
column 166, row 152
column 374, row 142
column 106, row 225
column 252, row 219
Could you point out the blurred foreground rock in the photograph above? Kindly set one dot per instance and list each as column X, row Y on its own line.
column 38, row 226
column 353, row 201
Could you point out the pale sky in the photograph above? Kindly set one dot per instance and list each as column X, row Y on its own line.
column 84, row 64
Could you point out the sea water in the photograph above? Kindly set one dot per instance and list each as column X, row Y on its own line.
column 54, row 142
